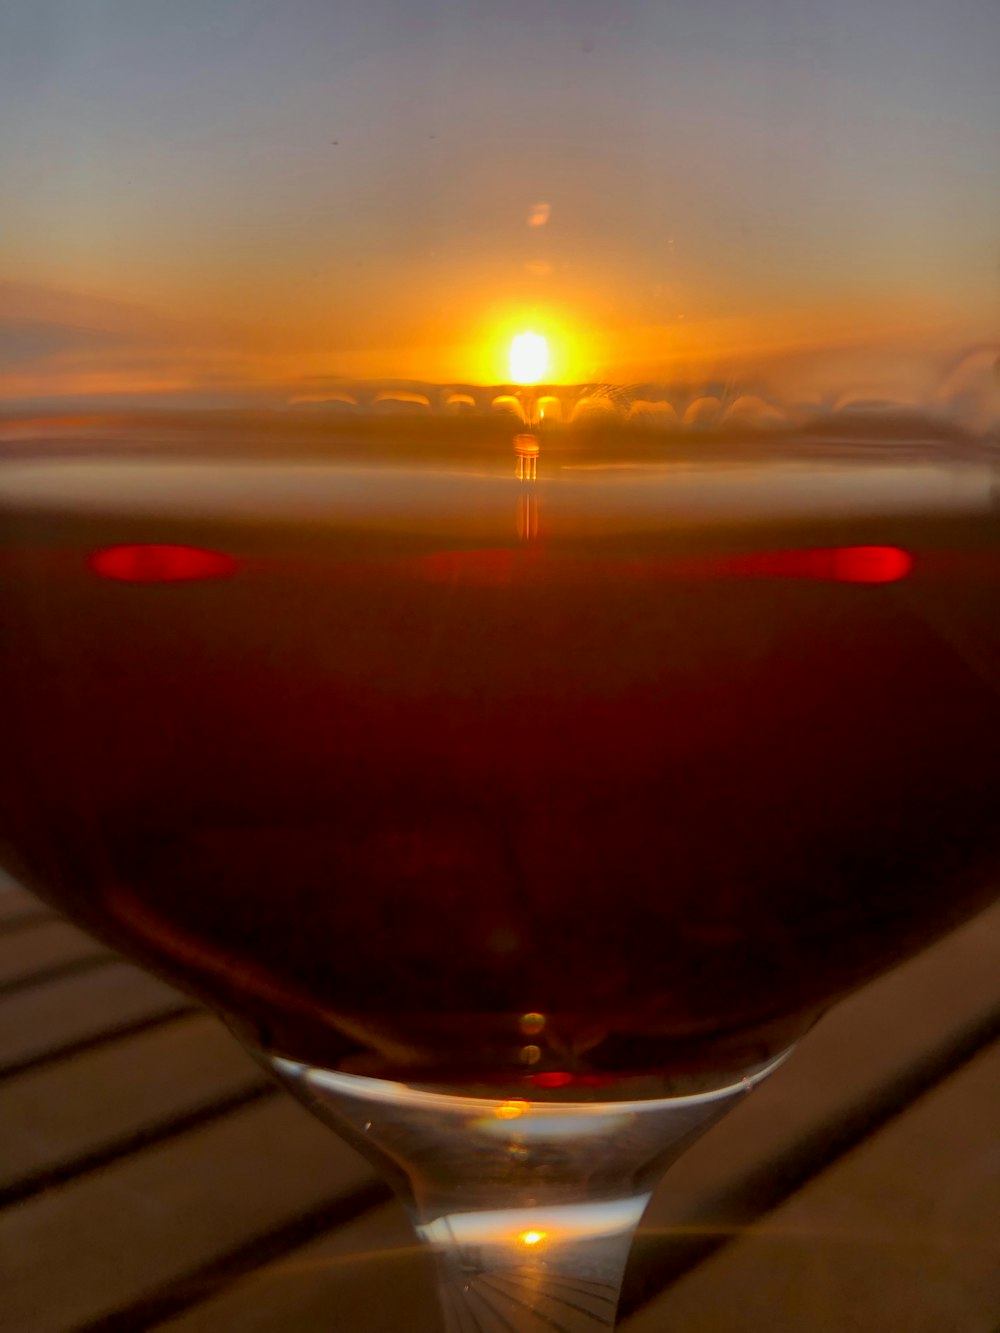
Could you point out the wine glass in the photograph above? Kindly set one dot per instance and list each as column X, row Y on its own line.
column 523, row 699
column 518, row 850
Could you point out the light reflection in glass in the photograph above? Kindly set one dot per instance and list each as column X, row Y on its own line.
column 527, row 450
column 556, row 1222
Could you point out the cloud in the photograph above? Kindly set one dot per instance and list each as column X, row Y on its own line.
column 23, row 342
column 61, row 344
column 46, row 332
column 23, row 302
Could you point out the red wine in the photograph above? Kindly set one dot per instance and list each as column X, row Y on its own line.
column 408, row 766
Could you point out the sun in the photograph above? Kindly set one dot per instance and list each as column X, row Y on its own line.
column 529, row 358
column 532, row 1237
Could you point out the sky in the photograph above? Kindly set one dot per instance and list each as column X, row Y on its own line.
column 211, row 195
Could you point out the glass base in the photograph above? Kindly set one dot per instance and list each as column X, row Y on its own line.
column 529, row 1206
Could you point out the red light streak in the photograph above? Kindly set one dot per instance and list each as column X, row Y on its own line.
column 152, row 563
column 504, row 566
column 560, row 1078
column 501, row 567
column 872, row 564
column 837, row 564
column 555, row 1079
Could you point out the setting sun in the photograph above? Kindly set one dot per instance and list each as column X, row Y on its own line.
column 529, row 358
column 532, row 1237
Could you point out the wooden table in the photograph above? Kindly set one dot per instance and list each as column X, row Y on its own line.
column 150, row 1177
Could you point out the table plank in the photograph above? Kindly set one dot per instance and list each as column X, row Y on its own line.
column 901, row 1234
column 43, row 949
column 17, row 905
column 163, row 1213
column 44, row 1022
column 62, row 1118
column 870, row 1052
column 369, row 1277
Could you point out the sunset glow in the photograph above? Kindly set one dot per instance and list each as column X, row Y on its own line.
column 529, row 358
column 705, row 192
column 530, row 1238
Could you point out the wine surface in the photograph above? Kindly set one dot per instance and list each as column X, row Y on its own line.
column 412, row 766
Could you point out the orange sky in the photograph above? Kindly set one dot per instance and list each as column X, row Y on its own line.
column 226, row 195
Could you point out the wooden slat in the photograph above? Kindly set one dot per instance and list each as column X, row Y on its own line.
column 86, row 1249
column 369, row 1276
column 901, row 1234
column 862, row 1055
column 41, row 949
column 39, row 1023
column 67, row 1116
column 17, row 904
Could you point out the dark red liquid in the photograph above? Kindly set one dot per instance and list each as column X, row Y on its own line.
column 399, row 781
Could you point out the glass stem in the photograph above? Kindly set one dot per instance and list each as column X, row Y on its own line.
column 529, row 1207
